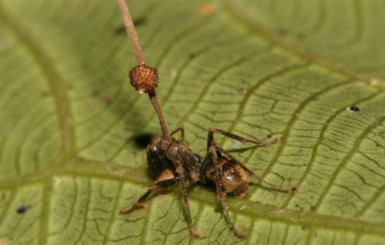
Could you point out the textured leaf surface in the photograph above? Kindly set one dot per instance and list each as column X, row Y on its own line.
column 72, row 129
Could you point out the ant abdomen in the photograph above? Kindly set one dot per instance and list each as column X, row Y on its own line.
column 232, row 178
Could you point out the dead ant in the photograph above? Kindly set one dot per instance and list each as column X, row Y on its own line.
column 171, row 162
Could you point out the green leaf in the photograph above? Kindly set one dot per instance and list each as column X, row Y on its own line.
column 72, row 129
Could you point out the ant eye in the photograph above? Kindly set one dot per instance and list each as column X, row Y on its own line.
column 154, row 148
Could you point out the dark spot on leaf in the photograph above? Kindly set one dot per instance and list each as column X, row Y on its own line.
column 192, row 55
column 109, row 98
column 142, row 140
column 300, row 36
column 353, row 109
column 45, row 93
column 140, row 21
column 121, row 30
column 95, row 93
column 300, row 151
column 282, row 32
column 22, row 209
column 312, row 208
column 269, row 136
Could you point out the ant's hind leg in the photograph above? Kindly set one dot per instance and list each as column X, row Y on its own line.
column 181, row 129
column 221, row 195
column 161, row 185
column 242, row 139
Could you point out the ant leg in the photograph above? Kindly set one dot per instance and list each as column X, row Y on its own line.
column 140, row 203
column 221, row 195
column 210, row 141
column 181, row 129
column 180, row 171
column 251, row 173
column 242, row 139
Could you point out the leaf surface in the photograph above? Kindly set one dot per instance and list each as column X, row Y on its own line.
column 73, row 132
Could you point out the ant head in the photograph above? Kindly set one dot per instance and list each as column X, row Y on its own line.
column 156, row 158
column 155, row 147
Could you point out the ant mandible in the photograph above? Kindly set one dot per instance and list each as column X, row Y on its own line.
column 171, row 162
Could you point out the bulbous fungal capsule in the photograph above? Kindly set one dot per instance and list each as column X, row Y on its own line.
column 144, row 78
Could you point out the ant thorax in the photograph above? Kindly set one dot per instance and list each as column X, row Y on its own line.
column 161, row 154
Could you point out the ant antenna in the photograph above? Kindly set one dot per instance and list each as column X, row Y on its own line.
column 142, row 77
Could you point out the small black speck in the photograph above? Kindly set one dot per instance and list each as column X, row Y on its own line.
column 192, row 55
column 300, row 36
column 121, row 30
column 22, row 209
column 312, row 208
column 95, row 93
column 353, row 109
column 143, row 140
column 269, row 136
column 139, row 21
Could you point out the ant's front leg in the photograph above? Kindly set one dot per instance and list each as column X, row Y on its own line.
column 159, row 186
column 181, row 173
column 181, row 129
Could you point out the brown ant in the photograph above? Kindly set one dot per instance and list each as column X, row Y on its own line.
column 171, row 162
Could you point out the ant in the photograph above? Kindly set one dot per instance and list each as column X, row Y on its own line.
column 171, row 162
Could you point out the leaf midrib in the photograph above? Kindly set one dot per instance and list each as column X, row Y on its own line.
column 203, row 195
